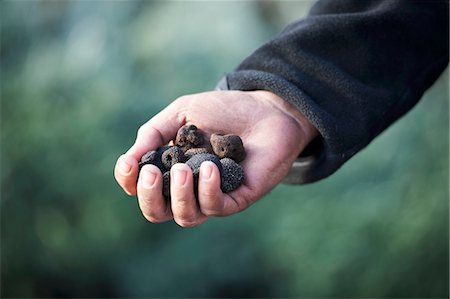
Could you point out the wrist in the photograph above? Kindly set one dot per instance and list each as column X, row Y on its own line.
column 308, row 131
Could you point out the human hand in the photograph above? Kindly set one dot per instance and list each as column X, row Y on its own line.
column 272, row 130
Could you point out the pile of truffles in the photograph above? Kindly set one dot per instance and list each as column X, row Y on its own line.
column 190, row 147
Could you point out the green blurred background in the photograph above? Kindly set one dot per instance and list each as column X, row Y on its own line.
column 77, row 80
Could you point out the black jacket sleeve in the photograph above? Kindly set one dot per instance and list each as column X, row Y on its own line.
column 352, row 67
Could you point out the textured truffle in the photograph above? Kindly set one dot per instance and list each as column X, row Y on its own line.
column 148, row 156
column 188, row 137
column 232, row 175
column 196, row 161
column 191, row 148
column 153, row 157
column 195, row 151
column 166, row 184
column 228, row 146
column 172, row 156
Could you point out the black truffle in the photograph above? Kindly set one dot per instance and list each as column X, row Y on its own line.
column 228, row 146
column 166, row 184
column 190, row 147
column 153, row 157
column 232, row 175
column 196, row 161
column 172, row 156
column 188, row 137
column 195, row 151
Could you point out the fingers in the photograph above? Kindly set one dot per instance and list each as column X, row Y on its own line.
column 210, row 196
column 153, row 134
column 153, row 205
column 125, row 172
column 159, row 130
column 185, row 209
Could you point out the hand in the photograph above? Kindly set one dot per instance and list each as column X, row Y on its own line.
column 273, row 132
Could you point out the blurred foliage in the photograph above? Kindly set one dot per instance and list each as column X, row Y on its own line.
column 79, row 77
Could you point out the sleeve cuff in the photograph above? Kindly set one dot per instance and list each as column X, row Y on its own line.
column 318, row 160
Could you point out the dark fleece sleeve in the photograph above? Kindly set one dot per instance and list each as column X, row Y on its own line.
column 352, row 67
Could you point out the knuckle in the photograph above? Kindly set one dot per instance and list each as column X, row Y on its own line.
column 208, row 193
column 185, row 216
column 211, row 204
column 181, row 203
column 186, row 223
column 211, row 212
column 182, row 198
column 141, row 131
column 152, row 218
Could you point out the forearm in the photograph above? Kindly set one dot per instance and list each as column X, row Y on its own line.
column 351, row 68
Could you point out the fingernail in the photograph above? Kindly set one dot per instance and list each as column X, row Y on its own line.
column 206, row 171
column 180, row 177
column 148, row 179
column 124, row 167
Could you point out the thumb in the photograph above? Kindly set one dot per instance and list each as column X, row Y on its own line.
column 159, row 130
